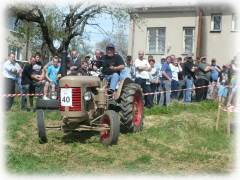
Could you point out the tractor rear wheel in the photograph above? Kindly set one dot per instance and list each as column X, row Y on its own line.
column 131, row 102
column 111, row 120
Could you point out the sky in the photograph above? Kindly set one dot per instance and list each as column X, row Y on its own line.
column 97, row 34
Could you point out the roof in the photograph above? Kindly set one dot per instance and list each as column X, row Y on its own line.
column 143, row 6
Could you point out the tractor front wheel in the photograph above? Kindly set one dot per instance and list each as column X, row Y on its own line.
column 110, row 120
column 41, row 126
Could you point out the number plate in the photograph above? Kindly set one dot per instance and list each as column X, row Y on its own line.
column 66, row 97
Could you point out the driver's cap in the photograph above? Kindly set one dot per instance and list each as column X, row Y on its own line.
column 110, row 45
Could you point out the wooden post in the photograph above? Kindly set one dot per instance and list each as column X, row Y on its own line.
column 228, row 122
column 218, row 113
column 27, row 42
column 133, row 36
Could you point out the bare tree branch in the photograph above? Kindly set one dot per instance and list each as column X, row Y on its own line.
column 67, row 26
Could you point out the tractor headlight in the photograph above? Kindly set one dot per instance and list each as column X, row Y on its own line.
column 87, row 96
column 54, row 95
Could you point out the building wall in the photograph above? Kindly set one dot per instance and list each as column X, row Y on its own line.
column 221, row 46
column 174, row 23
column 17, row 41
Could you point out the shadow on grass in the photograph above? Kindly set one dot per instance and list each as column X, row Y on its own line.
column 78, row 136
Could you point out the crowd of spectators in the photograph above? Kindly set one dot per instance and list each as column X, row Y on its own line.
column 169, row 79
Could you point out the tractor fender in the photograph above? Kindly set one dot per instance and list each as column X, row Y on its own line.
column 121, row 85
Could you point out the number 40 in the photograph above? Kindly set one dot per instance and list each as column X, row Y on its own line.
column 66, row 99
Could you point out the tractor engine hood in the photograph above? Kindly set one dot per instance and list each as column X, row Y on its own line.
column 79, row 81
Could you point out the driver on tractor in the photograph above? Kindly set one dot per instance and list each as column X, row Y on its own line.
column 113, row 66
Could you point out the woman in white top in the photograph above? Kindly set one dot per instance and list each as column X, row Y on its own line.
column 154, row 78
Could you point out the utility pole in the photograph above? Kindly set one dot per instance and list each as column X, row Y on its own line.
column 199, row 31
column 28, row 37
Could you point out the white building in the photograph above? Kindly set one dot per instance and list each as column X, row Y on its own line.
column 16, row 41
column 201, row 30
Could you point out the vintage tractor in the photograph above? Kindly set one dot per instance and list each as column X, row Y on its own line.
column 86, row 105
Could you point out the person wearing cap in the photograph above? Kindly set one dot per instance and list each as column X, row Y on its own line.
column 203, row 78
column 112, row 65
column 189, row 75
column 142, row 76
column 129, row 68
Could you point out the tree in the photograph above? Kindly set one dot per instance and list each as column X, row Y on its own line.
column 61, row 24
column 102, row 44
column 118, row 38
column 79, row 44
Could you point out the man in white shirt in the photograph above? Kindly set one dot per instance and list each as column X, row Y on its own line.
column 175, row 68
column 142, row 76
column 11, row 72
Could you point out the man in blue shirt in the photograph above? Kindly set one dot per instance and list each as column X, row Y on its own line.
column 51, row 76
column 215, row 71
column 166, row 82
column 214, row 75
column 159, row 69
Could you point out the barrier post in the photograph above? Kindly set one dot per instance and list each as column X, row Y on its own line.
column 218, row 113
column 228, row 122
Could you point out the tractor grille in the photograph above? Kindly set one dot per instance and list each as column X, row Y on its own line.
column 76, row 101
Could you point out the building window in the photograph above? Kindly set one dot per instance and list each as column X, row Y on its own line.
column 216, row 22
column 188, row 39
column 11, row 23
column 235, row 22
column 17, row 51
column 156, row 40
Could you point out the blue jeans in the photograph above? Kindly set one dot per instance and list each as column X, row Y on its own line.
column 187, row 94
column 113, row 79
column 124, row 74
column 174, row 86
column 165, row 98
column 146, row 89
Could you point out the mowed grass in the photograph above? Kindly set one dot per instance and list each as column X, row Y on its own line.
column 180, row 139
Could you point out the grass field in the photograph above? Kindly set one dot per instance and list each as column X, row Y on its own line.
column 180, row 139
